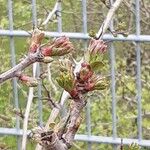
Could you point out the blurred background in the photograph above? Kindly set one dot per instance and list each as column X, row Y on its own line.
column 122, row 111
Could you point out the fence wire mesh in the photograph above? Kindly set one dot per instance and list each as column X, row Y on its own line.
column 89, row 137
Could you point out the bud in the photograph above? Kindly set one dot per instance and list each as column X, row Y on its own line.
column 66, row 77
column 92, row 34
column 46, row 50
column 74, row 93
column 121, row 26
column 95, row 53
column 29, row 81
column 97, row 46
column 58, row 47
column 85, row 72
column 97, row 83
column 47, row 59
column 101, row 85
column 36, row 39
column 89, row 86
column 66, row 81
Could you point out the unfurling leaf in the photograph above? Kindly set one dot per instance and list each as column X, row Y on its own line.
column 97, row 46
column 97, row 65
column 60, row 81
column 66, row 77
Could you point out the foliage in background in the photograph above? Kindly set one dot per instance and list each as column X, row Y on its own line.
column 101, row 110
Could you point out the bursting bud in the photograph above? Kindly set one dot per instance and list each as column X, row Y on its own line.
column 36, row 39
column 59, row 47
column 29, row 81
column 95, row 53
column 97, row 46
column 66, row 77
column 85, row 72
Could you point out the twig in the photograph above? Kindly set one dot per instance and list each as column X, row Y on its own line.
column 52, row 103
column 16, row 70
column 13, row 71
column 50, row 79
column 109, row 16
column 74, row 121
column 26, row 117
column 64, row 97
column 132, row 10
column 55, row 9
column 27, row 112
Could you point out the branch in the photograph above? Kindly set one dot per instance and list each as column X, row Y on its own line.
column 55, row 111
column 50, row 78
column 50, row 139
column 27, row 112
column 34, row 55
column 55, row 9
column 53, row 115
column 109, row 17
column 74, row 120
column 15, row 71
column 26, row 117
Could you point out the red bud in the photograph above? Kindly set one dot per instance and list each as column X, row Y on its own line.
column 89, row 86
column 97, row 46
column 73, row 93
column 29, row 81
column 46, row 51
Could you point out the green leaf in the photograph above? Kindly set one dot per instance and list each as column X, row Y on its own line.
column 97, row 65
column 134, row 146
